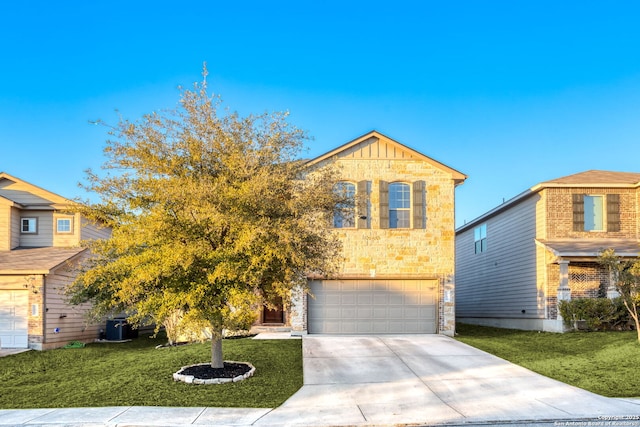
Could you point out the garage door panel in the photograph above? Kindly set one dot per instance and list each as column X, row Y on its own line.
column 396, row 299
column 413, row 298
column 331, row 299
column 365, row 299
column 412, row 313
column 373, row 306
column 380, row 299
column 364, row 313
column 14, row 318
column 348, row 299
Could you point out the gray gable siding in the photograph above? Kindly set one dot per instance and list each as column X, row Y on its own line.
column 501, row 282
column 44, row 235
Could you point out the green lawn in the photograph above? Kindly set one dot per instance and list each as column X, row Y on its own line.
column 136, row 373
column 606, row 363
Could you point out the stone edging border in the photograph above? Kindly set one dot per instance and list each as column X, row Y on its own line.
column 190, row 379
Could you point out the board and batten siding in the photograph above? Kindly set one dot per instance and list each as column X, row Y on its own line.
column 500, row 282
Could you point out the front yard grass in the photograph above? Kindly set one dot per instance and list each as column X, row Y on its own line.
column 605, row 363
column 138, row 374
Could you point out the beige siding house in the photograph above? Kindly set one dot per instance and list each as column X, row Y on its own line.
column 398, row 245
column 39, row 245
column 515, row 262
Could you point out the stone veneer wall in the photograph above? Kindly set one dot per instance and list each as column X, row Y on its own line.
column 404, row 253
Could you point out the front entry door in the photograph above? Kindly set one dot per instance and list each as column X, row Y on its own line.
column 274, row 316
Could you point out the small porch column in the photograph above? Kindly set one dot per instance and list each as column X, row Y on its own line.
column 564, row 292
column 612, row 292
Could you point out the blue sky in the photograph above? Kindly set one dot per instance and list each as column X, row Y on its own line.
column 511, row 93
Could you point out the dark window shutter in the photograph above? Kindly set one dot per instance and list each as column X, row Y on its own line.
column 613, row 212
column 578, row 212
column 362, row 204
column 418, row 205
column 384, row 204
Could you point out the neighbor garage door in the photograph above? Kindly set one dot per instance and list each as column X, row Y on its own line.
column 373, row 307
column 13, row 318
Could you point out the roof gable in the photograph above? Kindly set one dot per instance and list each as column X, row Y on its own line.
column 26, row 194
column 596, row 178
column 374, row 145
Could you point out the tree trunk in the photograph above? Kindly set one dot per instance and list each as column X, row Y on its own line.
column 633, row 312
column 216, row 349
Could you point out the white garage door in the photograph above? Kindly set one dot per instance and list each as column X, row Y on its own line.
column 13, row 319
column 373, row 307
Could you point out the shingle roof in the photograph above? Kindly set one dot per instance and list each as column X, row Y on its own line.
column 35, row 260
column 591, row 248
column 597, row 177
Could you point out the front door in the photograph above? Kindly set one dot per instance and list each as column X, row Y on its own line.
column 274, row 316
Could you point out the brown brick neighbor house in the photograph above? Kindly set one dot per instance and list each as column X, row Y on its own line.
column 39, row 243
column 398, row 245
column 515, row 262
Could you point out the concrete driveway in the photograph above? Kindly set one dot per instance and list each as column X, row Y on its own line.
column 429, row 379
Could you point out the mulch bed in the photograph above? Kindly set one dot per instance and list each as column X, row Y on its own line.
column 206, row 372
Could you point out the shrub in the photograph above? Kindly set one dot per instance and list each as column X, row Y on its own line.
column 596, row 314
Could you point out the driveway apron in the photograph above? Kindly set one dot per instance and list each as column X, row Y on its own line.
column 427, row 379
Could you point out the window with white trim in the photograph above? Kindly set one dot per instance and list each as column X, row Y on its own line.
column 64, row 225
column 28, row 225
column 399, row 205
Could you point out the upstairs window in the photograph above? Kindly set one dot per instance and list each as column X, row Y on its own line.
column 480, row 238
column 28, row 225
column 596, row 212
column 64, row 225
column 593, row 213
column 403, row 205
column 399, row 205
column 344, row 214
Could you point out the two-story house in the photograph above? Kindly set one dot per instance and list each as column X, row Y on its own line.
column 39, row 246
column 517, row 261
column 398, row 245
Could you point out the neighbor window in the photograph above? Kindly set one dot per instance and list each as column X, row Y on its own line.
column 593, row 213
column 399, row 205
column 63, row 225
column 596, row 212
column 344, row 212
column 28, row 225
column 480, row 238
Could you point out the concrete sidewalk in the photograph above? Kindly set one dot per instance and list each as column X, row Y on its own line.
column 384, row 380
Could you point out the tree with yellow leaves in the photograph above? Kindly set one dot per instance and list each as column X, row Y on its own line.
column 208, row 210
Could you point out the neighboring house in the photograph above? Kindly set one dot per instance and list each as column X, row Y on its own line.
column 398, row 245
column 517, row 261
column 39, row 245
